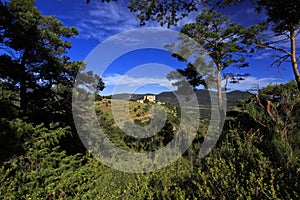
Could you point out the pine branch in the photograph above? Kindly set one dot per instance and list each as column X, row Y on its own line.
column 263, row 46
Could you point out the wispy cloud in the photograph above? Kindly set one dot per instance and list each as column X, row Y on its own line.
column 100, row 20
column 263, row 55
column 253, row 82
column 150, row 37
column 117, row 84
column 130, row 81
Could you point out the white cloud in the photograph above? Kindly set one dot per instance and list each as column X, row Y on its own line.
column 117, row 84
column 251, row 81
column 130, row 81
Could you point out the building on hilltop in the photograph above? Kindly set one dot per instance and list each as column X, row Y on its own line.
column 150, row 97
column 147, row 98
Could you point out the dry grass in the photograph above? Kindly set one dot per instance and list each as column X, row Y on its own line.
column 137, row 111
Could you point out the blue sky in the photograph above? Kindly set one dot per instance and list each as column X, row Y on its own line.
column 97, row 22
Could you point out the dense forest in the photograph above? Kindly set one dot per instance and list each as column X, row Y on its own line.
column 42, row 156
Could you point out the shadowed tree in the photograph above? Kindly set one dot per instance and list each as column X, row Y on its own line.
column 33, row 59
column 35, row 72
column 33, row 55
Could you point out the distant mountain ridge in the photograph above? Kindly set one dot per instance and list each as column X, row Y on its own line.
column 202, row 95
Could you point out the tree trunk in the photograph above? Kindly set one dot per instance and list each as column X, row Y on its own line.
column 23, row 99
column 293, row 58
column 220, row 96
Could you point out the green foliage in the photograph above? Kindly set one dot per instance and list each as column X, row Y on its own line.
column 221, row 38
column 40, row 160
column 225, row 179
column 243, row 165
column 161, row 139
column 276, row 108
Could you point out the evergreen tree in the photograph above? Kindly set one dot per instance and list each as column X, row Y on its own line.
column 36, row 74
column 284, row 19
column 34, row 61
column 34, row 52
column 215, row 36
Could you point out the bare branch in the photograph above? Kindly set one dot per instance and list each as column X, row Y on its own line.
column 280, row 60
